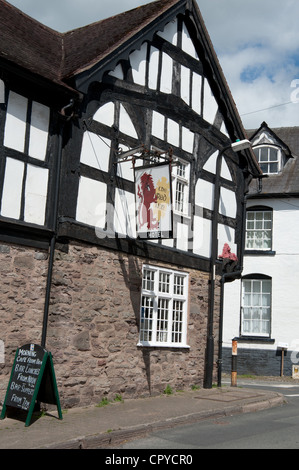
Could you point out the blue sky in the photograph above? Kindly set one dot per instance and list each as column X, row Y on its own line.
column 257, row 43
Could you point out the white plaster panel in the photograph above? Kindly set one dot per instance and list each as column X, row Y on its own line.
column 227, row 203
column 173, row 133
column 187, row 44
column 117, row 72
column 196, row 93
column 125, row 170
column 226, row 234
column 91, row 203
column 182, row 237
column 204, row 194
column 15, row 125
column 39, row 129
column 153, row 68
column 158, row 124
column 225, row 173
column 166, row 74
column 168, row 242
column 202, row 236
column 12, row 188
column 185, row 84
column 95, row 151
column 125, row 123
column 210, row 105
column 124, row 213
column 223, row 129
column 170, row 32
column 138, row 64
column 210, row 166
column 36, row 189
column 187, row 140
column 105, row 114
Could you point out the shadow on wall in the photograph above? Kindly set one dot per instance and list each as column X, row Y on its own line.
column 132, row 275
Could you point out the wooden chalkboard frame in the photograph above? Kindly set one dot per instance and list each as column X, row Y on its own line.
column 45, row 389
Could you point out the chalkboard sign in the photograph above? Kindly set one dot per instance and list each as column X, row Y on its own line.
column 32, row 379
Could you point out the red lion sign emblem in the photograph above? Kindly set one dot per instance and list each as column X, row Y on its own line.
column 147, row 194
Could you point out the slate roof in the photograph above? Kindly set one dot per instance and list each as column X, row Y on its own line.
column 57, row 56
column 285, row 183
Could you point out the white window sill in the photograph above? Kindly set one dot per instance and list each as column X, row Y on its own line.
column 164, row 345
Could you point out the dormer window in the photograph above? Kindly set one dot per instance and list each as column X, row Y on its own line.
column 269, row 159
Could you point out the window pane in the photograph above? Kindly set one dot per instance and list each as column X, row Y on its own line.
column 146, row 324
column 181, row 170
column 162, row 320
column 273, row 168
column 177, row 321
column 179, row 196
column 178, row 286
column 148, row 280
column 247, row 286
column 164, row 279
column 256, row 306
column 256, row 286
column 264, row 154
column 273, row 155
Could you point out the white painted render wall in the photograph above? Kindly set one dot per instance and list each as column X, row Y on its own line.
column 283, row 268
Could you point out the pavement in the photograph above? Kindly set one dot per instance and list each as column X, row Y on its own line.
column 108, row 426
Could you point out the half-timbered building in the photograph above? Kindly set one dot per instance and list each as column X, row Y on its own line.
column 94, row 265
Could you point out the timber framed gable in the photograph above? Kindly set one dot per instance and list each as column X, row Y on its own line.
column 155, row 90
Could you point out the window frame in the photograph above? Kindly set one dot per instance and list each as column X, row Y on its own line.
column 265, row 165
column 162, row 297
column 254, row 210
column 181, row 186
column 254, row 305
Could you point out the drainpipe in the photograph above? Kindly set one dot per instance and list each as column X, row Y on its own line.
column 214, row 250
column 55, row 213
column 226, row 276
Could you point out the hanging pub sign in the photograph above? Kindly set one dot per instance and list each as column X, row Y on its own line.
column 32, row 380
column 153, row 197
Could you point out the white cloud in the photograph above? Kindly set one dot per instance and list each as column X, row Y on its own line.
column 257, row 43
column 64, row 15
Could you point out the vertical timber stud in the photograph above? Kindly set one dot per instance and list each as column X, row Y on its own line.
column 234, row 363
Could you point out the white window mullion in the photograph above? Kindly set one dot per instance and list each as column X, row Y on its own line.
column 155, row 301
column 170, row 314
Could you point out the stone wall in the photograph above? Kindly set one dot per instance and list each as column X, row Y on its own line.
column 23, row 276
column 93, row 323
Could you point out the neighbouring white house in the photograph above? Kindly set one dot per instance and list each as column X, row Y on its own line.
column 261, row 310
